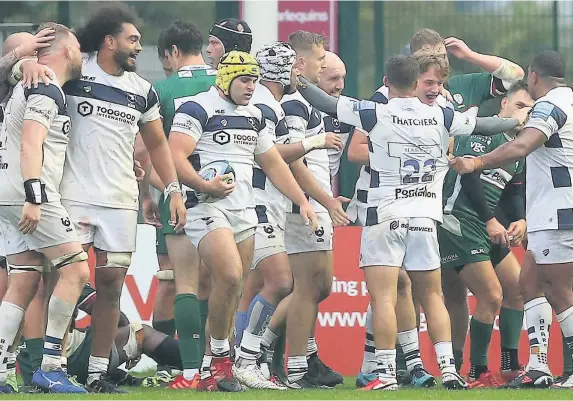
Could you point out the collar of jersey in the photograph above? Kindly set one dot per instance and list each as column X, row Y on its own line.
column 195, row 67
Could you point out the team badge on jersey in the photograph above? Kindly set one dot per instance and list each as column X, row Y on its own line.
column 458, row 98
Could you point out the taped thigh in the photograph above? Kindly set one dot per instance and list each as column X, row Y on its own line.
column 68, row 259
column 165, row 275
column 120, row 260
column 15, row 269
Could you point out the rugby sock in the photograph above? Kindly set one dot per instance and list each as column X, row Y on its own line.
column 203, row 313
column 445, row 357
column 538, row 316
column 411, row 349
column 510, row 324
column 206, row 367
column 385, row 363
column 12, row 316
column 565, row 320
column 459, row 358
column 311, row 346
column 165, row 326
column 240, row 326
column 400, row 358
column 297, row 367
column 249, row 350
column 369, row 359
column 11, row 361
column 59, row 316
column 480, row 337
column 267, row 342
column 279, row 352
column 188, row 324
column 30, row 358
column 220, row 348
column 97, row 366
column 567, row 357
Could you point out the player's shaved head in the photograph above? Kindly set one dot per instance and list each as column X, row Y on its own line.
column 425, row 38
column 15, row 40
column 402, row 72
column 331, row 77
column 333, row 61
column 549, row 64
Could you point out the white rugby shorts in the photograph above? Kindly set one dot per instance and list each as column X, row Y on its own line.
column 205, row 217
column 411, row 243
column 299, row 239
column 269, row 241
column 108, row 229
column 551, row 246
column 54, row 228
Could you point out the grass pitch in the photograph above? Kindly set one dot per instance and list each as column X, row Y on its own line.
column 345, row 392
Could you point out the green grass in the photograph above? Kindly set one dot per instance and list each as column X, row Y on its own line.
column 344, row 392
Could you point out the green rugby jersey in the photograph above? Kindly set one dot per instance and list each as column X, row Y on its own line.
column 178, row 88
column 494, row 181
column 469, row 91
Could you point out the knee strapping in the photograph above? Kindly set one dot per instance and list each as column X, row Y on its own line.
column 68, row 259
column 14, row 269
column 165, row 275
column 118, row 259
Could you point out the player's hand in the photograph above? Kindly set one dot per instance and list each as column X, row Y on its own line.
column 30, row 218
column 32, row 73
column 522, row 115
column 446, row 93
column 517, row 230
column 150, row 212
column 458, row 48
column 337, row 213
column 309, row 217
column 218, row 186
column 463, row 165
column 30, row 47
column 333, row 141
column 497, row 233
column 178, row 213
column 138, row 170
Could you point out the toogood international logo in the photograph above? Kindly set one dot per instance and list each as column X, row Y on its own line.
column 222, row 138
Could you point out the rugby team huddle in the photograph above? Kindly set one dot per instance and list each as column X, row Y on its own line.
column 232, row 161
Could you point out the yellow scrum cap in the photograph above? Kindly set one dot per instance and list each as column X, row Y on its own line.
column 235, row 64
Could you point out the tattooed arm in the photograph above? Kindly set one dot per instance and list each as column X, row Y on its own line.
column 6, row 64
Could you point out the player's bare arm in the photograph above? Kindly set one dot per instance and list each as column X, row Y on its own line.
column 497, row 66
column 182, row 146
column 278, row 172
column 528, row 140
column 313, row 189
column 358, row 149
column 160, row 155
column 33, row 137
column 293, row 151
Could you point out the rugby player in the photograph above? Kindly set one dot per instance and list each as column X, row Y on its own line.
column 221, row 125
column 181, row 44
column 468, row 92
column 310, row 259
column 108, row 106
column 546, row 141
column 226, row 35
column 32, row 218
column 473, row 242
column 418, row 182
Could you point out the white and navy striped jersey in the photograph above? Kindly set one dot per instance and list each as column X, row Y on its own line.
column 225, row 131
column 47, row 106
column 343, row 130
column 407, row 143
column 549, row 193
column 303, row 120
column 271, row 204
column 106, row 111
column 381, row 96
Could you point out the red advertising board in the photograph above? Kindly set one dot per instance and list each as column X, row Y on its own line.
column 313, row 16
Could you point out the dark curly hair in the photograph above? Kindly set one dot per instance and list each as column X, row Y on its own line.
column 185, row 35
column 105, row 21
